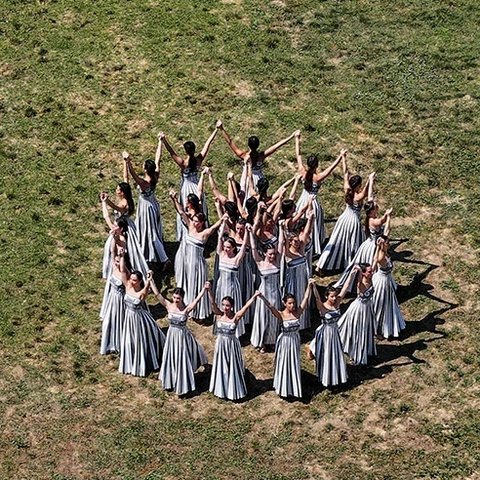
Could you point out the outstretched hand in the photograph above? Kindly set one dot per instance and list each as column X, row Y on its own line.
column 219, row 124
column 125, row 156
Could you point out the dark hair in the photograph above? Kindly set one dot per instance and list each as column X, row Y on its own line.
column 253, row 144
column 139, row 275
column 233, row 242
column 122, row 223
column 230, row 300
column 287, row 296
column 151, row 169
column 368, row 207
column 331, row 288
column 232, row 210
column 353, row 182
column 301, row 224
column 200, row 217
column 251, row 205
column 262, row 187
column 178, row 291
column 286, row 207
column 126, row 189
column 363, row 266
column 190, row 148
column 194, row 201
column 312, row 164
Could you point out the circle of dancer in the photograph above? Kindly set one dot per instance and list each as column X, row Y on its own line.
column 267, row 247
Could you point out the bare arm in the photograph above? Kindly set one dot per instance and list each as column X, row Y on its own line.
column 216, row 191
column 144, row 292
column 269, row 151
column 294, row 187
column 256, row 255
column 318, row 300
column 178, row 207
column 215, row 308
column 106, row 215
column 371, row 181
column 244, row 309
column 307, row 231
column 323, row 175
column 201, row 183
column 346, row 174
column 274, row 311
column 388, row 222
column 237, row 151
column 141, row 182
column 126, row 176
column 246, row 242
column 208, row 143
column 346, row 285
column 158, row 155
column 220, row 237
column 193, row 304
column 163, row 301
column 178, row 160
column 208, row 231
column 300, row 166
column 306, row 297
column 115, row 207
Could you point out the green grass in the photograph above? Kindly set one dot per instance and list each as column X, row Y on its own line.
column 395, row 82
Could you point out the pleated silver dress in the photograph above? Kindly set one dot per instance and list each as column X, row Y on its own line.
column 142, row 340
column 188, row 185
column 149, row 227
column 113, row 317
column 228, row 368
column 228, row 285
column 246, row 278
column 182, row 356
column 195, row 275
column 318, row 233
column 357, row 328
column 389, row 320
column 266, row 326
column 328, row 351
column 286, row 379
column 344, row 241
column 364, row 254
column 296, row 282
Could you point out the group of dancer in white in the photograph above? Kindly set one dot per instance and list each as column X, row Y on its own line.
column 263, row 272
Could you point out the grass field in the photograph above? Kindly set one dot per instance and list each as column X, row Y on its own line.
column 397, row 82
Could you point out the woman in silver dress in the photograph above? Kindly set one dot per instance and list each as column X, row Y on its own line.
column 228, row 367
column 348, row 233
column 357, row 324
column 326, row 347
column 265, row 328
column 227, row 283
column 287, row 379
column 189, row 167
column 312, row 180
column 148, row 219
column 182, row 355
column 142, row 340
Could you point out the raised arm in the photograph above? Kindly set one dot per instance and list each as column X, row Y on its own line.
column 307, row 231
column 244, row 309
column 388, row 222
column 141, row 182
column 208, row 143
column 300, row 166
column 282, row 190
column 201, row 183
column 178, row 207
column 178, row 160
column 246, row 242
column 144, row 291
column 364, row 191
column 122, row 267
column 215, row 308
column 158, row 154
column 253, row 245
column 126, row 176
column 325, row 173
column 294, row 187
column 346, row 174
column 318, row 300
column 274, row 311
column 163, row 301
column 348, row 282
column 105, row 213
column 208, row 231
column 213, row 185
column 193, row 304
column 115, row 207
column 270, row 150
column 237, row 151
column 220, row 236
column 306, row 297
column 371, row 181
